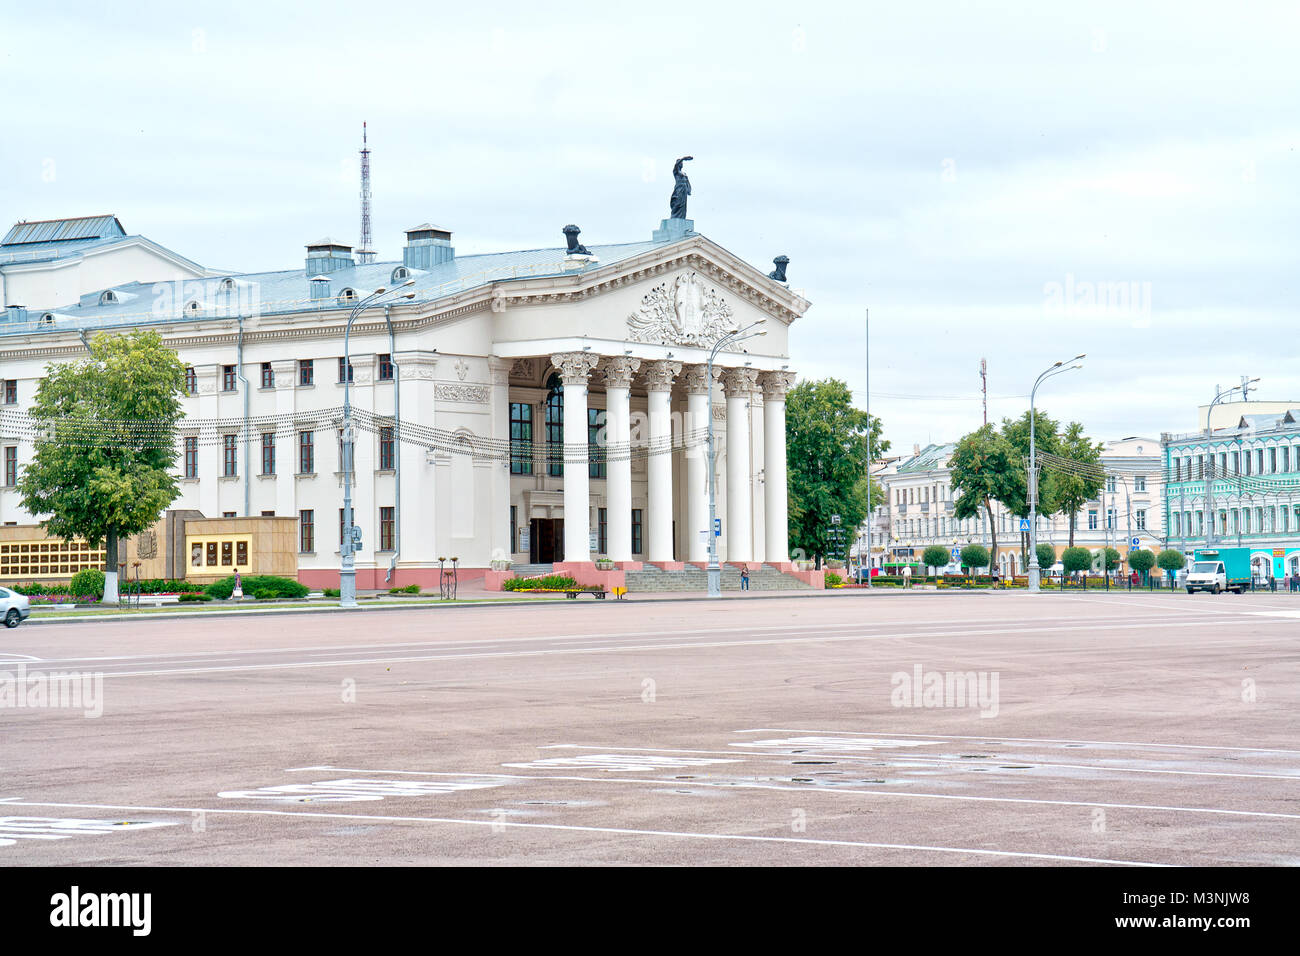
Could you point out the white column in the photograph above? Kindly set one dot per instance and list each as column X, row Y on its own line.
column 775, row 505
column 659, row 378
column 697, row 461
column 618, row 437
column 739, row 383
column 574, row 368
column 286, row 440
column 499, row 494
column 420, row 493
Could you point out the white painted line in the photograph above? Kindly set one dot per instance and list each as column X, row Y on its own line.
column 1031, row 740
column 792, row 788
column 11, row 658
column 622, row 831
column 623, row 648
column 1290, row 614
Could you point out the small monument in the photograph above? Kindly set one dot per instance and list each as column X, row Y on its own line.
column 677, row 226
column 779, row 272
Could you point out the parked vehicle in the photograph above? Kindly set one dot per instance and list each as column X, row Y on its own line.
column 14, row 607
column 1219, row 570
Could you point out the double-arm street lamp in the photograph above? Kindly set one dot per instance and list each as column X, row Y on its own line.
column 1056, row 369
column 351, row 542
column 732, row 337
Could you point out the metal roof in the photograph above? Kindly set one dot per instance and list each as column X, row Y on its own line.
column 930, row 458
column 289, row 291
column 63, row 230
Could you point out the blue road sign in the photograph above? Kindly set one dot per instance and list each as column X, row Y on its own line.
column 717, row 527
column 1024, row 524
column 955, row 554
column 1135, row 542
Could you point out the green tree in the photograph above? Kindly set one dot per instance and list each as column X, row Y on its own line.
column 1016, row 432
column 1171, row 560
column 826, row 460
column 1076, row 559
column 1046, row 556
column 975, row 556
column 1142, row 561
column 1071, row 490
column 935, row 556
column 1111, row 556
column 982, row 469
column 102, row 467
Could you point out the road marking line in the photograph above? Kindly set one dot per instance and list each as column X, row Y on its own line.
column 622, row 831
column 698, row 782
column 1031, row 740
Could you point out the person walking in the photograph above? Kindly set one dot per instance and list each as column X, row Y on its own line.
column 744, row 578
column 238, row 592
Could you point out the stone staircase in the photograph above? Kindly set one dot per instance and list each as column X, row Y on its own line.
column 691, row 578
column 532, row 570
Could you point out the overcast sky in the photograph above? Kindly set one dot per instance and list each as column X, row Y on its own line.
column 1015, row 181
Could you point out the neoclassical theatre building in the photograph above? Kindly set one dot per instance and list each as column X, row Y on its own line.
column 539, row 407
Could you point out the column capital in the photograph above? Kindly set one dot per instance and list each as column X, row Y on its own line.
column 695, row 379
column 499, row 369
column 776, row 384
column 285, row 372
column 575, row 367
column 739, row 381
column 659, row 375
column 618, row 370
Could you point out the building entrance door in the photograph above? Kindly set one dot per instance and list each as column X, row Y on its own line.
column 546, row 540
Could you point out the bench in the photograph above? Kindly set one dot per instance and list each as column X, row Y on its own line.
column 573, row 595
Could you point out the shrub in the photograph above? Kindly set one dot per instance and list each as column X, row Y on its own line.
column 547, row 582
column 1046, row 555
column 191, row 596
column 935, row 556
column 1142, row 560
column 331, row 592
column 833, row 580
column 406, row 589
column 88, row 582
column 1111, row 558
column 259, row 586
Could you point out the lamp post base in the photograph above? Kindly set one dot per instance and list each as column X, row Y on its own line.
column 348, row 587
column 715, row 581
column 1033, row 578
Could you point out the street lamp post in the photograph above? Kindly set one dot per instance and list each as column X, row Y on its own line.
column 1209, row 460
column 732, row 336
column 1056, row 369
column 351, row 533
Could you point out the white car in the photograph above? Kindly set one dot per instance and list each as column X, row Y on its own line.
column 14, row 607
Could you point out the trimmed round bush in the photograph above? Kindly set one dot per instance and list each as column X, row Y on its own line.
column 89, row 582
column 258, row 586
column 974, row 556
column 1076, row 559
column 936, row 556
column 1142, row 560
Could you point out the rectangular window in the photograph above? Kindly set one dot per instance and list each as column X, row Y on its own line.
column 1223, row 464
column 268, row 453
column 306, row 453
column 191, row 382
column 1246, row 460
column 268, row 514
column 1245, row 521
column 268, row 375
column 636, row 530
column 1286, row 455
column 191, row 456
column 514, row 527
column 1178, row 523
column 385, row 529
column 307, row 531
column 340, row 527
column 555, row 434
column 1140, row 519
column 306, row 372
column 1139, row 482
column 386, row 447
column 1110, row 484
column 1092, row 519
column 229, row 380
column 1236, row 463
column 11, row 391
column 385, row 368
column 1259, row 461
column 1178, row 469
column 346, row 371
column 521, row 438
column 1110, row 518
column 230, row 452
column 602, row 530
column 596, row 442
column 11, row 466
column 1272, row 461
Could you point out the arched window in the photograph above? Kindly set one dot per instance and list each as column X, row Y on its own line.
column 347, row 296
column 227, row 285
column 555, row 426
column 193, row 308
column 108, row 297
column 400, row 273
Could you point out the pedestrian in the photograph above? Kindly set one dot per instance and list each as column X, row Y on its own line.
column 907, row 575
column 744, row 578
column 238, row 592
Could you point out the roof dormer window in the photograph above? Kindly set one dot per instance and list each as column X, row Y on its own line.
column 109, row 297
column 193, row 308
column 401, row 272
column 347, row 296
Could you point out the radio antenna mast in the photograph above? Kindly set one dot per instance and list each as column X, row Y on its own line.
column 365, row 253
column 984, row 387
